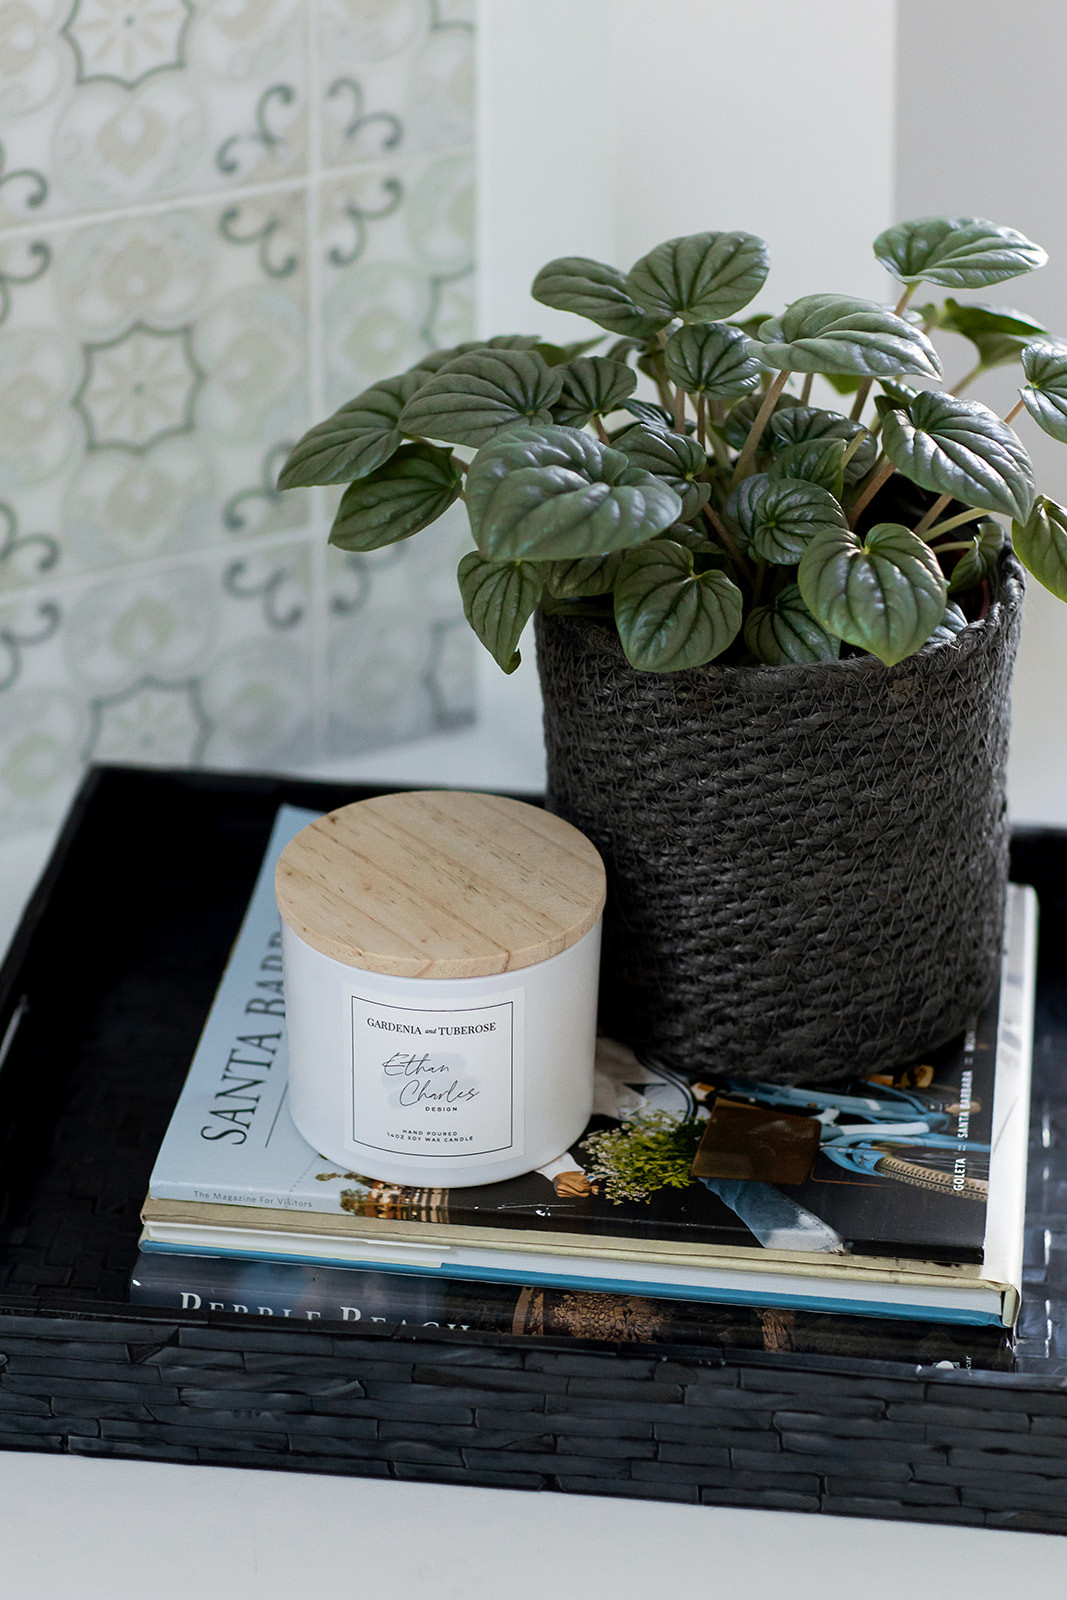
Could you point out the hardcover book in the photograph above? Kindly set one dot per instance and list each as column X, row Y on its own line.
column 872, row 1199
column 390, row 1300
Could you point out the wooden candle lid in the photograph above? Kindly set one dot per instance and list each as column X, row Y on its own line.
column 440, row 884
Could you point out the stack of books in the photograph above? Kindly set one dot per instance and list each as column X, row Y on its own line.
column 883, row 1219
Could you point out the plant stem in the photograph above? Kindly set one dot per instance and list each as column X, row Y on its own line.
column 931, row 515
column 902, row 303
column 761, row 573
column 952, row 522
column 744, row 460
column 805, row 391
column 654, row 351
column 956, row 544
column 861, row 400
column 865, row 387
column 679, row 409
column 718, row 448
column 602, row 432
column 853, row 446
column 1014, row 412
column 880, row 473
column 702, row 421
column 731, row 548
column 968, row 378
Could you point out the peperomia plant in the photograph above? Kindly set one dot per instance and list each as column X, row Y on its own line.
column 722, row 515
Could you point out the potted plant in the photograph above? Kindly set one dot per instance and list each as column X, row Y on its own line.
column 775, row 628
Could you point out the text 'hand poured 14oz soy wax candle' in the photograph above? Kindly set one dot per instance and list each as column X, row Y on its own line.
column 441, row 953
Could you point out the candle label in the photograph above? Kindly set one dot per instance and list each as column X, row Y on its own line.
column 443, row 1083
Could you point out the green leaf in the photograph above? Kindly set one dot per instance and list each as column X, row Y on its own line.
column 1045, row 395
column 743, row 415
column 674, row 457
column 575, row 580
column 816, row 461
column 402, row 496
column 997, row 349
column 499, row 598
column 556, row 494
column 480, row 394
column 981, row 559
column 434, row 360
column 952, row 623
column 355, row 440
column 669, row 617
column 750, row 324
column 884, row 404
column 956, row 252
column 1041, row 544
column 593, row 386
column 786, row 631
column 741, row 511
column 623, row 349
column 961, row 448
column 713, row 359
column 839, row 333
column 647, row 411
column 998, row 333
column 899, row 395
column 594, row 290
column 882, row 590
column 557, row 355
column 782, row 520
column 799, row 425
column 701, row 277
column 842, row 383
column 696, row 540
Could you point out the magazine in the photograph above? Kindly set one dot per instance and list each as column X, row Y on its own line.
column 729, row 1187
column 384, row 1301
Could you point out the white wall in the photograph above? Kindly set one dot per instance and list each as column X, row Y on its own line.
column 608, row 125
column 982, row 132
column 546, row 179
column 773, row 117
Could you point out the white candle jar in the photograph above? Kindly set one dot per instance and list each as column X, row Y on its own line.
column 441, row 952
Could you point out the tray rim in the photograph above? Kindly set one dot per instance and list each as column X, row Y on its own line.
column 299, row 790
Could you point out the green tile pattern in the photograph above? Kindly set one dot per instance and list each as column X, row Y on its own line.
column 216, row 222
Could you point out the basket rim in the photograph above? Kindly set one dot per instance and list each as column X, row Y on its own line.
column 1005, row 604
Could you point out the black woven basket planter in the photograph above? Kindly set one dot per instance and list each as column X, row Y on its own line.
column 806, row 864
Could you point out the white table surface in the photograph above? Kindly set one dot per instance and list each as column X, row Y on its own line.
column 121, row 1530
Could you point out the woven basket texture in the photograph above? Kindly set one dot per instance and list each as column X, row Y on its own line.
column 806, row 864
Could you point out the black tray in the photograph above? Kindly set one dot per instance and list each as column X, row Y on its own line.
column 102, row 999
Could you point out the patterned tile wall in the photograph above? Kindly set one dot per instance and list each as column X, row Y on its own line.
column 218, row 219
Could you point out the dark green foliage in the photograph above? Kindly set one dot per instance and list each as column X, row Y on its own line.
column 1041, row 545
column 669, row 615
column 956, row 252
column 738, row 515
column 883, row 591
column 555, row 493
column 961, row 448
column 411, row 490
column 838, row 333
column 701, row 277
